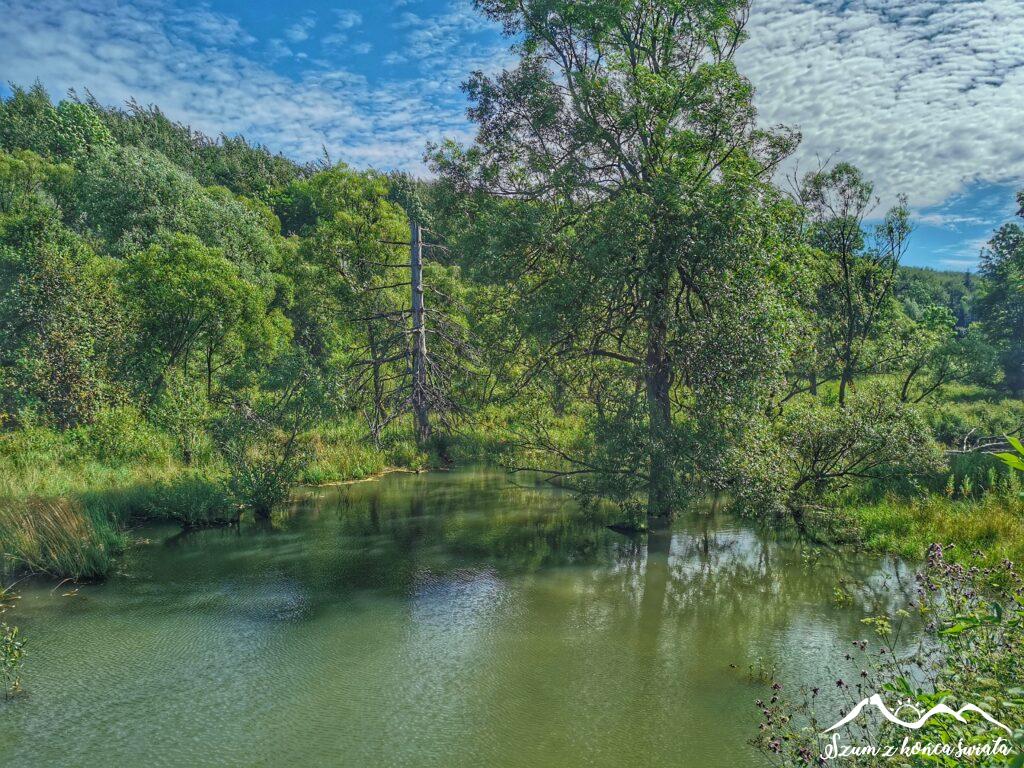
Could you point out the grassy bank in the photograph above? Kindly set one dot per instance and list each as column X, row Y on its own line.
column 68, row 499
column 986, row 530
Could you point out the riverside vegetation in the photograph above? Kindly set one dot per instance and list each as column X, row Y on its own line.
column 618, row 295
column 192, row 326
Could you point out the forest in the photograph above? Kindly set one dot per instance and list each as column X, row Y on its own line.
column 617, row 288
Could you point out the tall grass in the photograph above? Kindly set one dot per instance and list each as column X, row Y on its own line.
column 66, row 498
column 59, row 536
column 988, row 528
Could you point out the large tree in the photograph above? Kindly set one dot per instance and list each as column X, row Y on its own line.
column 620, row 187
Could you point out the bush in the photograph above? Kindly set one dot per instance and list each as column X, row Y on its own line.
column 121, row 436
column 182, row 409
column 818, row 450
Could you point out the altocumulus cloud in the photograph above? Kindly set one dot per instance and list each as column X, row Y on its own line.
column 927, row 96
column 203, row 68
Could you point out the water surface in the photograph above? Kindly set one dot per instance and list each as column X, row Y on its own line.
column 432, row 621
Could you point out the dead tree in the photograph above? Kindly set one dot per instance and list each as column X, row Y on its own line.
column 393, row 363
column 420, row 396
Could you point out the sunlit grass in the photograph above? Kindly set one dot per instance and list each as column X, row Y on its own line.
column 62, row 537
column 67, row 498
column 992, row 525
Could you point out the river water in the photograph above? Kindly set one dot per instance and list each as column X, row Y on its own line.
column 438, row 620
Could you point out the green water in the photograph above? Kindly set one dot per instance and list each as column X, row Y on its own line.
column 448, row 620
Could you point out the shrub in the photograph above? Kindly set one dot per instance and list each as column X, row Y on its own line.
column 817, row 450
column 121, row 436
column 182, row 409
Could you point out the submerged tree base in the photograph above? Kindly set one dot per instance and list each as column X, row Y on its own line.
column 629, row 528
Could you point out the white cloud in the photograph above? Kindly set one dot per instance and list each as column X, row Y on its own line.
column 949, row 220
column 300, row 30
column 925, row 95
column 347, row 18
column 205, row 70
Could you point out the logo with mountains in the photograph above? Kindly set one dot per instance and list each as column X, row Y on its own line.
column 939, row 709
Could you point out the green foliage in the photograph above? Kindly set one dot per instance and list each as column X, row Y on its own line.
column 919, row 288
column 12, row 646
column 1001, row 305
column 232, row 162
column 1013, row 460
column 68, row 131
column 193, row 499
column 184, row 411
column 132, row 197
column 119, row 436
column 195, row 306
column 858, row 271
column 25, row 176
column 991, row 523
column 638, row 271
column 654, row 320
column 821, row 450
column 964, row 412
column 265, row 439
column 59, row 320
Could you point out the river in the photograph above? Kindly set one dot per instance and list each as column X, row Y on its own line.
column 441, row 620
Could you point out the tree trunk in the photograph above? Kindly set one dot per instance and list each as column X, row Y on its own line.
column 558, row 397
column 420, row 404
column 844, row 381
column 657, row 378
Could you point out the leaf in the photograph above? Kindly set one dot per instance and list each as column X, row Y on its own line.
column 1017, row 444
column 997, row 611
column 1011, row 460
column 964, row 622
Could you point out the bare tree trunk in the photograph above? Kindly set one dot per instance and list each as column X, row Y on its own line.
column 420, row 405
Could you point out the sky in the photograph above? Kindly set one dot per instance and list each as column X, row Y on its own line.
column 926, row 96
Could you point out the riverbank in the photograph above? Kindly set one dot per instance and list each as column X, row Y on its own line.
column 982, row 531
column 68, row 499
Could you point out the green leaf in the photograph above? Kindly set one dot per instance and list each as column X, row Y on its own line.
column 997, row 611
column 1014, row 461
column 1017, row 444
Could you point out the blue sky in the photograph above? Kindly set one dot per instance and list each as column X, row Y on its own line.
column 925, row 95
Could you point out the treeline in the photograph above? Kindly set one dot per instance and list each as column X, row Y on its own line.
column 617, row 293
